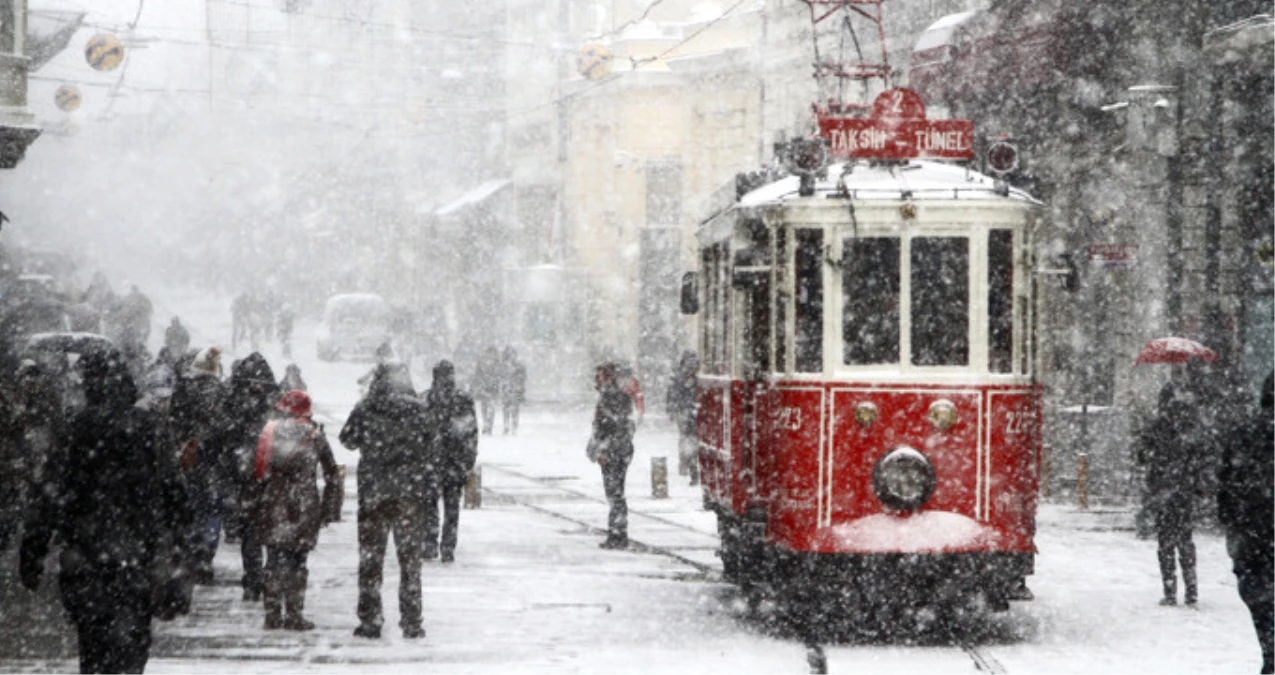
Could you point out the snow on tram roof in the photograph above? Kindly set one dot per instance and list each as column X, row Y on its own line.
column 923, row 180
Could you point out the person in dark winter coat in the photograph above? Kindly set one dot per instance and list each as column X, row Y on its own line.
column 283, row 325
column 513, row 389
column 682, row 404
column 288, row 509
column 116, row 499
column 249, row 404
column 176, row 338
column 1246, row 510
column 1170, row 448
column 487, row 386
column 611, row 446
column 292, row 379
column 388, row 430
column 196, row 411
column 453, row 449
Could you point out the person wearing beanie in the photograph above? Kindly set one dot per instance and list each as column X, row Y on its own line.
column 196, row 411
column 388, row 430
column 288, row 510
column 117, row 508
column 453, row 449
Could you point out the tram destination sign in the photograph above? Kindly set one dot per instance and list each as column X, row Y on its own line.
column 897, row 129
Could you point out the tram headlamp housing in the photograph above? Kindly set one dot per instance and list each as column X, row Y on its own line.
column 942, row 414
column 865, row 413
column 904, row 479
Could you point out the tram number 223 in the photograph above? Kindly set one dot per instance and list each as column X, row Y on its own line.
column 788, row 418
column 1017, row 422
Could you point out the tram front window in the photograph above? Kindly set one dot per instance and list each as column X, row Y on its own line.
column 940, row 301
column 870, row 307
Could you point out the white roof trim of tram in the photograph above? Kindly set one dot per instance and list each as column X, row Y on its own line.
column 918, row 180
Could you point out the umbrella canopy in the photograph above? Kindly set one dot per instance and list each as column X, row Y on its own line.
column 1175, row 350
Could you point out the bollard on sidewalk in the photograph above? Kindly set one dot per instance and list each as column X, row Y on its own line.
column 474, row 488
column 659, row 477
column 1082, row 480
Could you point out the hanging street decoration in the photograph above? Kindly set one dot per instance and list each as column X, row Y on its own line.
column 594, row 62
column 67, row 98
column 104, row 52
column 897, row 129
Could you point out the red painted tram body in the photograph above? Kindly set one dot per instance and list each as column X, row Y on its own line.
column 869, row 423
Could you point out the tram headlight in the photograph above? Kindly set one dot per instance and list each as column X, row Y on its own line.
column 865, row 413
column 904, row 479
column 942, row 414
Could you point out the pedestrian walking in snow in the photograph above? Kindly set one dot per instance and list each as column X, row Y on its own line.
column 453, row 449
column 176, row 338
column 1171, row 450
column 513, row 389
column 682, row 404
column 283, row 325
column 487, row 386
column 287, row 507
column 1246, row 510
column 611, row 446
column 388, row 430
column 292, row 380
column 196, row 415
column 118, row 502
column 251, row 394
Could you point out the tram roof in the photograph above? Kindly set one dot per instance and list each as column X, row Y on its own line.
column 917, row 180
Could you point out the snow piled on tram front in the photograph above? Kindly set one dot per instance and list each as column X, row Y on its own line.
column 924, row 532
column 923, row 180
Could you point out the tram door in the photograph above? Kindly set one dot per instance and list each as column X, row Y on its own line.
column 752, row 280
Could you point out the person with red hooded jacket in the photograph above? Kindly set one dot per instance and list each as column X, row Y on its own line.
column 288, row 510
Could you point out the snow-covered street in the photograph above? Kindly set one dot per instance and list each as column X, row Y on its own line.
column 530, row 591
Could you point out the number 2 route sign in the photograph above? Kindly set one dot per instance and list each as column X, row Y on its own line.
column 897, row 129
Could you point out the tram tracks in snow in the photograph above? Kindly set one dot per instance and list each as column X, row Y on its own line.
column 815, row 651
column 706, row 572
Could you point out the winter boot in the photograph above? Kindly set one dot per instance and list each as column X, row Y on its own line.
column 272, row 597
column 1170, row 591
column 615, row 542
column 413, row 632
column 294, row 596
column 1187, row 557
column 431, row 550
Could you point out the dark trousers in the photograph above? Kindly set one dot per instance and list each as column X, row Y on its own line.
column 1257, row 591
column 284, row 581
column 509, row 414
column 488, row 405
column 405, row 519
column 1173, row 534
column 614, row 472
column 112, row 616
column 252, row 551
column 450, row 493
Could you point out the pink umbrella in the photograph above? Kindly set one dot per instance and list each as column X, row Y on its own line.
column 1175, row 350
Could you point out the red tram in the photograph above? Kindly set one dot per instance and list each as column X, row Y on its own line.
column 869, row 418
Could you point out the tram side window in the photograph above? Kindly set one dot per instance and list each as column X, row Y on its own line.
column 1000, row 301
column 870, row 310
column 808, row 331
column 782, row 301
column 716, row 316
column 940, row 301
